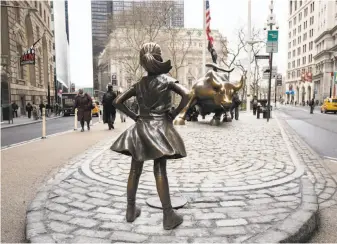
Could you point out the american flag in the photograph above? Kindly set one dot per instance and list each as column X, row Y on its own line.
column 208, row 23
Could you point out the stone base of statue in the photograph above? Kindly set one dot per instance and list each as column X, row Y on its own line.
column 177, row 202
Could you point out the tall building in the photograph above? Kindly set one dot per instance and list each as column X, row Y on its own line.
column 22, row 24
column 301, row 49
column 67, row 18
column 184, row 50
column 109, row 15
column 60, row 20
column 325, row 49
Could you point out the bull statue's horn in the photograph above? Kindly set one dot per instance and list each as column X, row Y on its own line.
column 238, row 86
column 211, row 65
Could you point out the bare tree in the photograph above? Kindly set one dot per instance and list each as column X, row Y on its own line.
column 178, row 46
column 131, row 29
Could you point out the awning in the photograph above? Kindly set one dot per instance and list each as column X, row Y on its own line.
column 290, row 92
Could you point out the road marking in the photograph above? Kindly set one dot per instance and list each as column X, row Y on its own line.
column 37, row 139
column 331, row 158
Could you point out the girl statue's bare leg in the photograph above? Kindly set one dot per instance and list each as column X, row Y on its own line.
column 132, row 212
column 170, row 218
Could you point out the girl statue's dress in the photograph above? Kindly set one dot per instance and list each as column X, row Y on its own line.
column 153, row 136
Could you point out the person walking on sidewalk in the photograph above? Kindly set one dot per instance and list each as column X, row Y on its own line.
column 29, row 109
column 312, row 106
column 109, row 111
column 153, row 136
column 41, row 106
column 83, row 103
column 15, row 108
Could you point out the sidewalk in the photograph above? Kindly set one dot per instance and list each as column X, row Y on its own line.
column 24, row 169
column 243, row 181
column 20, row 121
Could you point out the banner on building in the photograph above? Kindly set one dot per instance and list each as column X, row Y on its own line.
column 28, row 57
column 306, row 76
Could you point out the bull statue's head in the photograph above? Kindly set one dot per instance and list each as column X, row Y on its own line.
column 224, row 89
column 225, row 94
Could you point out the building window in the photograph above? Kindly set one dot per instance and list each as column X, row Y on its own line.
column 305, row 35
column 298, row 50
column 40, row 9
column 306, row 12
column 304, row 60
column 304, row 48
column 49, row 45
column 294, row 20
column 35, row 4
column 310, row 58
column 48, row 22
column 298, row 62
column 51, row 74
column 17, row 12
column 310, row 45
column 44, row 15
column 294, row 53
column 290, row 24
column 20, row 68
column 40, row 69
column 38, row 31
column 289, row 55
column 293, row 64
column 298, row 73
column 299, row 16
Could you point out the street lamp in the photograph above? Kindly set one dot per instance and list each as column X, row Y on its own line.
column 270, row 23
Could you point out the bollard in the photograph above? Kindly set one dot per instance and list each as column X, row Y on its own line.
column 75, row 123
column 43, row 123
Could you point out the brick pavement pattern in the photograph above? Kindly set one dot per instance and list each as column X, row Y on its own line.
column 243, row 180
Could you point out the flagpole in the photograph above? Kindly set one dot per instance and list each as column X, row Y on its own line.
column 204, row 39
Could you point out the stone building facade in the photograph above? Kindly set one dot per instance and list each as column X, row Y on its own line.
column 22, row 24
column 183, row 48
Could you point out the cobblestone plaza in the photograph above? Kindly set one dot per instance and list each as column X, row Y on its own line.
column 245, row 181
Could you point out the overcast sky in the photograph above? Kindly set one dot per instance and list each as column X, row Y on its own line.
column 227, row 16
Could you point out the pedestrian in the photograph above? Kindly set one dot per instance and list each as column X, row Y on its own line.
column 84, row 105
column 15, row 108
column 254, row 105
column 57, row 107
column 29, row 109
column 153, row 136
column 235, row 106
column 312, row 106
column 41, row 106
column 109, row 111
column 35, row 111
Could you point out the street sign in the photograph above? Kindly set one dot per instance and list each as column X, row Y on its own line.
column 272, row 36
column 279, row 80
column 266, row 72
column 272, row 41
column 272, row 47
column 262, row 56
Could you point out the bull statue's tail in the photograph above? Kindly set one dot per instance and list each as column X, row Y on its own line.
column 215, row 66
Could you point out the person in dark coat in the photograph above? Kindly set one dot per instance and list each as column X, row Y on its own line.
column 29, row 109
column 83, row 103
column 109, row 111
column 235, row 106
column 41, row 106
column 15, row 108
column 254, row 105
column 312, row 105
column 153, row 136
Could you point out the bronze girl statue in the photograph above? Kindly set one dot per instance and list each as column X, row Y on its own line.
column 153, row 136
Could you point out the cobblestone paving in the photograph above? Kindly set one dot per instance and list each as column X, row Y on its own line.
column 242, row 183
column 325, row 185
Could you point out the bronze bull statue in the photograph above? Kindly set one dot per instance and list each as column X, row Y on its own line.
column 212, row 93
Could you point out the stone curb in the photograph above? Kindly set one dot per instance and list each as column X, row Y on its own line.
column 300, row 225
column 33, row 122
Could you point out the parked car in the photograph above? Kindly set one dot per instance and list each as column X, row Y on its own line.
column 329, row 105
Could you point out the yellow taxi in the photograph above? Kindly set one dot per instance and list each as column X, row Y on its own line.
column 329, row 105
column 96, row 110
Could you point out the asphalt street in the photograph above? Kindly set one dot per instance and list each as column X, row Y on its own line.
column 318, row 130
column 23, row 133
